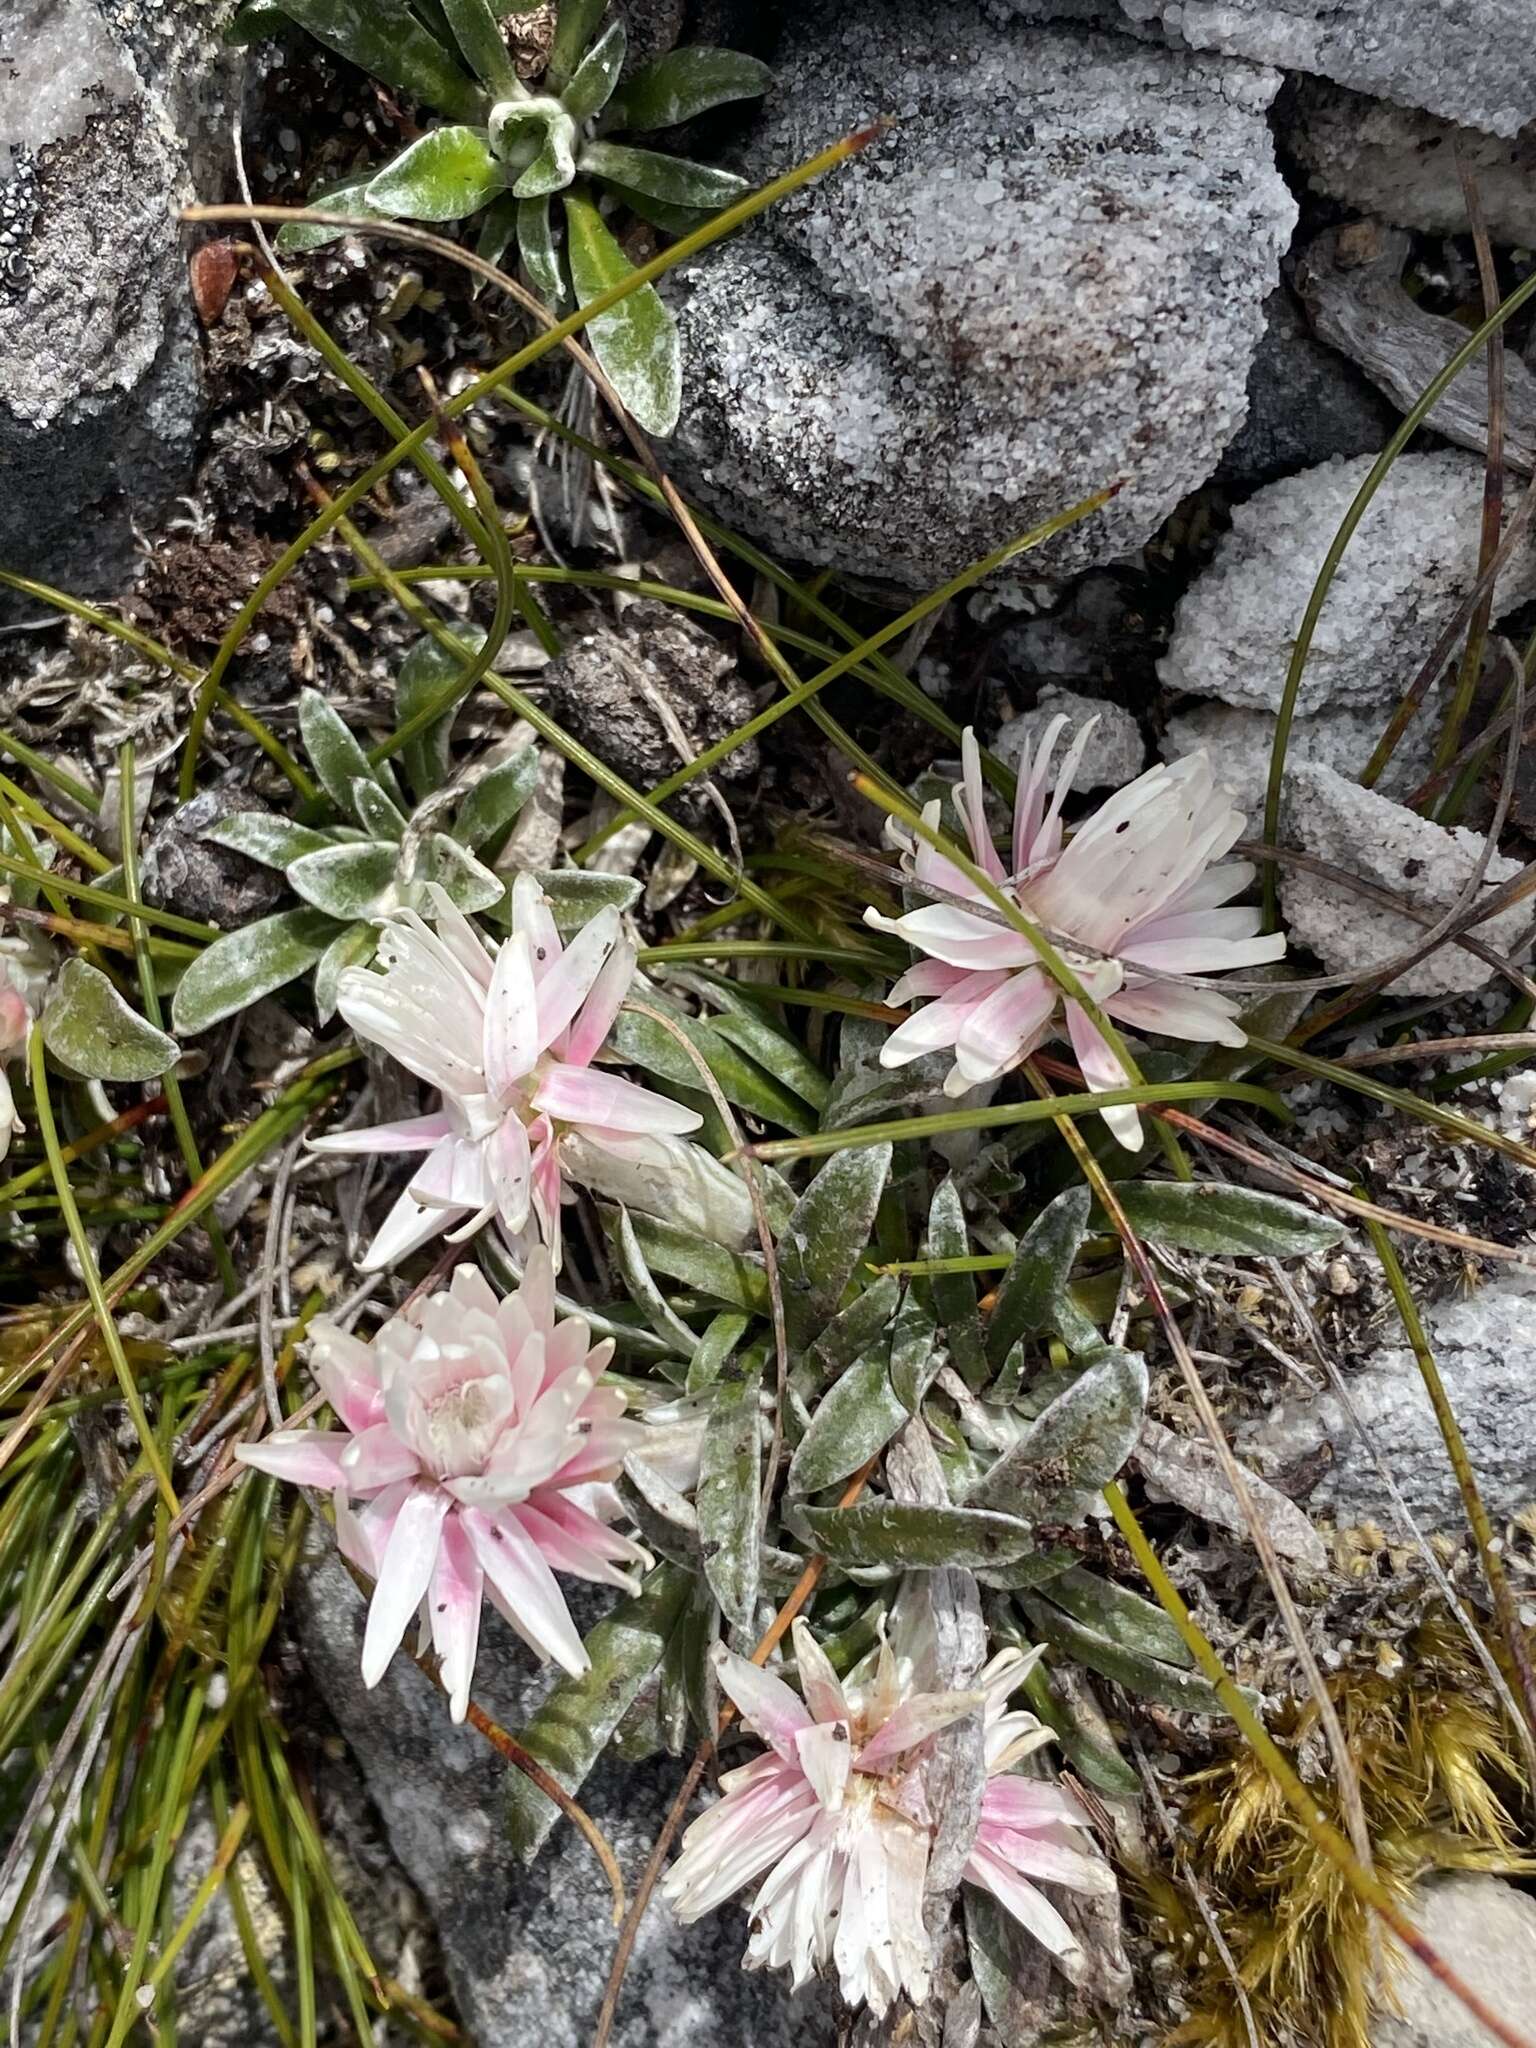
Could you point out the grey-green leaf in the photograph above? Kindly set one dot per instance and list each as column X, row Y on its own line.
column 649, row 1045
column 346, row 882
column 854, row 1330
column 572, row 1728
column 575, row 25
column 954, row 1294
column 730, row 1477
column 264, row 836
column 640, row 1283
column 386, row 38
column 240, row 969
column 916, row 1353
column 1121, row 1615
column 536, row 245
column 353, row 946
column 708, row 1268
column 426, row 672
column 334, row 754
column 577, row 894
column 1167, row 1684
column 596, row 75
column 344, row 196
column 485, row 814
column 675, row 180
column 468, row 883
column 1207, row 1216
column 89, row 1027
column 478, row 34
column 724, row 1333
column 636, row 340
column 1038, row 1273
column 448, row 173
column 381, row 815
column 686, row 82
column 857, row 1416
column 826, row 1236
column 917, row 1537
column 1074, row 1446
column 554, row 166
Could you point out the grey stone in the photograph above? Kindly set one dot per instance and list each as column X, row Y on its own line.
column 187, row 873
column 100, row 361
column 1400, row 163
column 1383, row 842
column 1240, row 743
column 628, row 691
column 1409, row 564
column 1045, row 279
column 527, row 1950
column 1485, row 1347
column 1305, row 404
column 1486, row 1929
column 1096, row 635
column 1113, row 756
column 1471, row 60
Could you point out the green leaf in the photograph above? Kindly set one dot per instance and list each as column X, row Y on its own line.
column 470, row 885
column 1167, row 1684
column 592, row 83
column 344, row 196
column 954, row 1294
column 347, row 882
column 826, row 1236
column 724, row 1333
column 478, row 34
column 1038, row 1273
column 386, row 38
column 90, row 1028
column 645, row 1043
column 1074, row 1446
column 536, row 245
column 486, row 812
column 916, row 1353
column 497, row 227
column 575, row 26
column 706, row 1267
column 857, row 1416
column 636, row 340
column 576, row 895
column 381, row 816
column 730, row 1478
column 675, row 180
column 334, row 754
column 917, row 1537
column 254, row 22
column 674, row 88
column 1207, row 1216
column 425, row 673
column 743, row 1024
column 672, row 220
column 572, row 1728
column 353, row 947
column 240, row 969
column 449, row 173
column 264, row 836
column 854, row 1331
column 641, row 1285
column 553, row 168
column 1121, row 1615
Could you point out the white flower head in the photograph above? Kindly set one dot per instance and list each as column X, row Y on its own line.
column 1139, row 892
column 833, row 1818
column 508, row 1038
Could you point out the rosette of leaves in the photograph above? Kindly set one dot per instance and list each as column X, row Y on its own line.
column 377, row 853
column 511, row 151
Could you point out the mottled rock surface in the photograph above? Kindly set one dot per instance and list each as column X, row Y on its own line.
column 1305, row 404
column 1484, row 1346
column 1411, row 561
column 187, row 873
column 528, row 1950
column 1048, row 277
column 1383, row 842
column 1486, row 1928
column 1240, row 743
column 113, row 120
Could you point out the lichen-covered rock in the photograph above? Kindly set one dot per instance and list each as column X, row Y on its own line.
column 1385, row 843
column 1306, row 403
column 1411, row 561
column 630, row 690
column 1113, row 756
column 100, row 363
column 1471, row 60
column 1045, row 279
column 528, row 1950
column 187, row 873
column 1483, row 1346
column 1240, row 743
column 1400, row 163
column 1486, row 1928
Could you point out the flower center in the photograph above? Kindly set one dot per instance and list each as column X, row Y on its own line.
column 461, row 1427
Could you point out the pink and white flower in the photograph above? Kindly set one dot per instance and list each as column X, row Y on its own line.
column 26, row 962
column 1130, row 899
column 834, row 1820
column 509, row 1039
column 475, row 1459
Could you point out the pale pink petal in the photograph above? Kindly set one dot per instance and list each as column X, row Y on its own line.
column 510, row 1164
column 1209, row 954
column 582, row 1095
column 1052, row 1862
column 460, row 936
column 939, row 1024
column 454, row 1598
column 576, row 1552
column 927, row 978
column 764, row 1702
column 1016, row 1895
column 533, row 917
column 524, row 1590
column 589, row 1033
column 917, row 1718
column 1198, row 1014
column 405, row 1572
column 824, row 1753
column 1005, row 1025
column 962, row 938
column 377, row 1458
column 1029, row 803
column 511, row 1017
column 408, row 1226
column 411, row 1134
column 970, row 802
column 569, row 981
column 455, row 1175
column 819, row 1683
column 1101, row 1070
column 347, row 1374
column 304, row 1457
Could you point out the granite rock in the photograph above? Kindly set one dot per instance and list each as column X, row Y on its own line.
column 112, row 121
column 1400, row 163
column 187, row 873
column 1240, row 742
column 1046, row 278
column 1486, row 1928
column 1383, row 842
column 1113, row 756
column 1485, row 1347
column 1411, row 561
column 1305, row 404
column 527, row 1950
